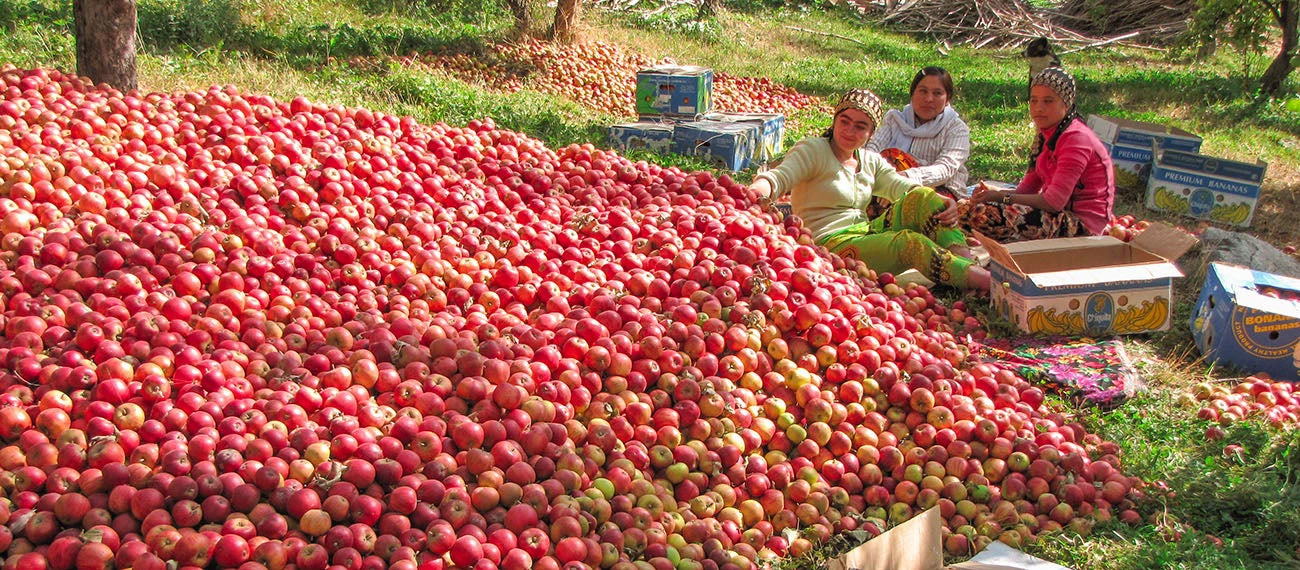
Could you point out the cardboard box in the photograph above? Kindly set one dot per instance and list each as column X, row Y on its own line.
column 1205, row 187
column 1130, row 144
column 771, row 131
column 680, row 90
column 1087, row 285
column 918, row 545
column 1239, row 321
column 726, row 145
column 654, row 136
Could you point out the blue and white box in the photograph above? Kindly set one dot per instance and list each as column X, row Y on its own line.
column 674, row 90
column 642, row 135
column 1204, row 187
column 726, row 145
column 1130, row 144
column 1250, row 320
column 1087, row 286
column 771, row 131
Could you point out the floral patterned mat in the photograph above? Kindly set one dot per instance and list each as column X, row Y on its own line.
column 1096, row 371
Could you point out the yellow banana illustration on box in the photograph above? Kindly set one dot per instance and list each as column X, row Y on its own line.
column 1126, row 179
column 1052, row 322
column 1150, row 315
column 1171, row 201
column 1234, row 214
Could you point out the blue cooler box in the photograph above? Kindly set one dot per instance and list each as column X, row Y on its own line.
column 646, row 135
column 726, row 145
column 771, row 131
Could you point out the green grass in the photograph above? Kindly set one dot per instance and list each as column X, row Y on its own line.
column 287, row 48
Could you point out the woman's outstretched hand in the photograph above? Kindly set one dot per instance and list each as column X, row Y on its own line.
column 762, row 190
column 983, row 193
column 950, row 215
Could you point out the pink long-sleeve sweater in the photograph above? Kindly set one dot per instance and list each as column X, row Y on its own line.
column 1076, row 176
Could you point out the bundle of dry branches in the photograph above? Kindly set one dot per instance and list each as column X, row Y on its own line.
column 1008, row 23
column 979, row 23
column 1159, row 21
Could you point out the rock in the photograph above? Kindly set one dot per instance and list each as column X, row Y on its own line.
column 1246, row 250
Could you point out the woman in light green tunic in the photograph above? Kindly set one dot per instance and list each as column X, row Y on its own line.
column 832, row 179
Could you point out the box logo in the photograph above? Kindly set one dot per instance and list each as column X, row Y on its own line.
column 1098, row 313
column 1264, row 335
column 1202, row 201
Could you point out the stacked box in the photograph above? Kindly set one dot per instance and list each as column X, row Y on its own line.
column 1087, row 285
column 674, row 90
column 1205, row 187
column 726, row 145
column 771, row 131
column 654, row 136
column 1131, row 146
column 1250, row 320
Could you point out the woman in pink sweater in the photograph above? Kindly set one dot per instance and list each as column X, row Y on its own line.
column 1069, row 189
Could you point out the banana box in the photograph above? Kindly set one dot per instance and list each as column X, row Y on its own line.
column 771, row 132
column 647, row 135
column 674, row 90
column 1250, row 320
column 1131, row 145
column 1087, row 286
column 1205, row 187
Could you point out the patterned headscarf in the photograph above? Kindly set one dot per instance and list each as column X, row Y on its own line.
column 864, row 101
column 1061, row 83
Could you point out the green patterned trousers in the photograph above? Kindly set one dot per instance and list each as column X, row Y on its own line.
column 907, row 237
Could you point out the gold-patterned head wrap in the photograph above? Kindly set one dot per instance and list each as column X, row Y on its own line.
column 865, row 101
column 1059, row 81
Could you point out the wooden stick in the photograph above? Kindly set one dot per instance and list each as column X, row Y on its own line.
column 668, row 6
column 807, row 31
column 1129, row 35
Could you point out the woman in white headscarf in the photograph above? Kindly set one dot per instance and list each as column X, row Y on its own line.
column 929, row 130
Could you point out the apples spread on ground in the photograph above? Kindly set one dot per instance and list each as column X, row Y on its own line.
column 245, row 330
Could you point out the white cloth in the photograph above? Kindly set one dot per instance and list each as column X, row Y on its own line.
column 904, row 128
column 941, row 145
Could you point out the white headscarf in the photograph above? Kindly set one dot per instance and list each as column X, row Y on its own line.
column 905, row 128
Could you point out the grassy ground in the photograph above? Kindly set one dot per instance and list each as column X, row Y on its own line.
column 286, row 48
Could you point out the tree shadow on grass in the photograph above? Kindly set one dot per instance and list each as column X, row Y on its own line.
column 853, row 49
column 1219, row 102
column 170, row 28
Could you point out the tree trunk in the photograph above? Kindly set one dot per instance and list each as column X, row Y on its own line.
column 1277, row 72
column 105, row 32
column 523, row 19
column 566, row 21
column 708, row 8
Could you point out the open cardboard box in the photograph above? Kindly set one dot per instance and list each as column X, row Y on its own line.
column 918, row 545
column 1087, row 285
column 1249, row 319
column 1131, row 145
